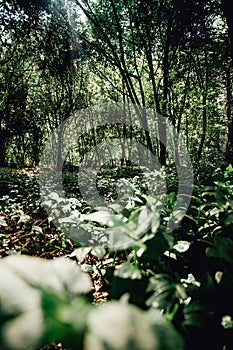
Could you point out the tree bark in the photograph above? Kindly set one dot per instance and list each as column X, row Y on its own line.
column 3, row 138
column 227, row 11
column 226, row 6
column 229, row 147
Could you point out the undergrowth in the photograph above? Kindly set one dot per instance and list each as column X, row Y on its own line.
column 177, row 287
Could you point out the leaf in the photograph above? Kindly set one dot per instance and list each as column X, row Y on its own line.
column 182, row 246
column 87, row 268
column 99, row 251
column 20, row 304
column 81, row 253
column 119, row 238
column 128, row 270
column 164, row 291
column 60, row 275
column 3, row 221
column 224, row 248
column 65, row 321
column 24, row 219
column 215, row 212
column 119, row 325
column 103, row 218
column 155, row 247
column 144, row 221
column 54, row 196
column 37, row 229
column 155, row 222
column 25, row 283
column 229, row 220
column 24, row 331
column 220, row 197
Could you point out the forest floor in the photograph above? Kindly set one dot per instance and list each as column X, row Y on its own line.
column 50, row 245
column 197, row 268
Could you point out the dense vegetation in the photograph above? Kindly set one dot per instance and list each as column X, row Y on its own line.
column 112, row 275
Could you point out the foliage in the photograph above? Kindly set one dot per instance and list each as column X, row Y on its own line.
column 48, row 303
column 166, row 290
column 187, row 275
column 157, row 55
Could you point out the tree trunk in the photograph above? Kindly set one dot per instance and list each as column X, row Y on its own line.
column 3, row 138
column 229, row 148
column 204, row 126
column 227, row 10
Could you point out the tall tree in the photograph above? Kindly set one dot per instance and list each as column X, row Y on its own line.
column 227, row 10
column 147, row 43
column 41, row 76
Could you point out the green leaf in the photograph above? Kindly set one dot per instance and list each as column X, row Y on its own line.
column 65, row 321
column 103, row 218
column 229, row 220
column 60, row 275
column 3, row 221
column 182, row 246
column 37, row 229
column 99, row 251
column 38, row 301
column 144, row 221
column 220, row 197
column 155, row 222
column 224, row 248
column 20, row 306
column 194, row 315
column 121, row 237
column 118, row 326
column 164, row 291
column 81, row 253
column 127, row 270
column 87, row 268
column 155, row 247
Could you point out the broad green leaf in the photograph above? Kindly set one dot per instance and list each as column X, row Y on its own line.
column 182, row 246
column 128, row 270
column 229, row 220
column 144, row 221
column 25, row 282
column 103, row 218
column 65, row 321
column 81, row 253
column 119, row 326
column 120, row 237
column 20, row 304
column 155, row 247
column 220, row 197
column 60, row 275
column 155, row 222
column 224, row 248
column 99, row 251
column 164, row 291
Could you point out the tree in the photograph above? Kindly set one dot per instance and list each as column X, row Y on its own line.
column 41, row 77
column 147, row 43
column 227, row 10
column 15, row 49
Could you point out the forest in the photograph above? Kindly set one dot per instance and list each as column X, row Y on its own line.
column 116, row 175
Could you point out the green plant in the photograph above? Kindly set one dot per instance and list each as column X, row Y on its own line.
column 186, row 276
column 43, row 301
